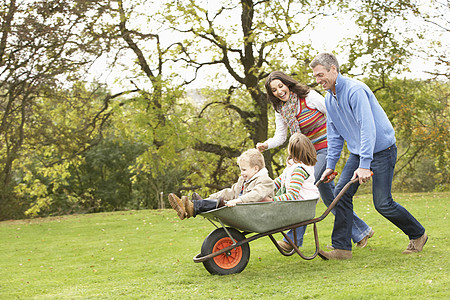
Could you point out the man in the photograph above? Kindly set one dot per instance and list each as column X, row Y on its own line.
column 355, row 116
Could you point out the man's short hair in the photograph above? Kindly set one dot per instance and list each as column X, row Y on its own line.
column 325, row 59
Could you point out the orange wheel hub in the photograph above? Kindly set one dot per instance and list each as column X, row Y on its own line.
column 229, row 259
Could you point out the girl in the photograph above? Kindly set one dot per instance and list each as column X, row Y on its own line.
column 297, row 180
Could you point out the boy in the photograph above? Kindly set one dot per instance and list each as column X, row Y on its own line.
column 253, row 185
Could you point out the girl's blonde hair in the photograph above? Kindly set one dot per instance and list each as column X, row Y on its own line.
column 253, row 157
column 301, row 149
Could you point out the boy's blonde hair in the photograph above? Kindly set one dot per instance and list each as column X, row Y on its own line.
column 253, row 157
column 301, row 149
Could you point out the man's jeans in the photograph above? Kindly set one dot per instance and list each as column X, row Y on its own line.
column 382, row 166
column 359, row 228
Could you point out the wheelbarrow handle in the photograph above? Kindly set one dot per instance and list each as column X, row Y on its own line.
column 334, row 173
column 341, row 193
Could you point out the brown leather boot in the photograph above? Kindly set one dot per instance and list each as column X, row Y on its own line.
column 188, row 206
column 178, row 205
column 336, row 254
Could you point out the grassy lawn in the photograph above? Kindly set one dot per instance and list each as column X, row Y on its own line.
column 148, row 255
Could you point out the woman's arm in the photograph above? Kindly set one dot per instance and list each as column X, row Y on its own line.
column 280, row 135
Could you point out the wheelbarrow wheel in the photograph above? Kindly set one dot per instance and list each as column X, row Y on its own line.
column 230, row 262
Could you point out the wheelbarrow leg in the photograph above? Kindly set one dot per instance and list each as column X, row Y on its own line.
column 294, row 245
column 274, row 241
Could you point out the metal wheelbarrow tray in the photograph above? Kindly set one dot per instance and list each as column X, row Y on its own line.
column 264, row 216
column 226, row 249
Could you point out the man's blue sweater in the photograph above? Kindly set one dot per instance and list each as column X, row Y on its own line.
column 354, row 115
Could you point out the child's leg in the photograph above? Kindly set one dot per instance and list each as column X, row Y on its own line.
column 300, row 232
column 284, row 243
column 204, row 205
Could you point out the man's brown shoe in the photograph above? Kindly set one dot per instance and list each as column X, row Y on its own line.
column 416, row 245
column 178, row 205
column 188, row 206
column 286, row 247
column 336, row 254
column 363, row 243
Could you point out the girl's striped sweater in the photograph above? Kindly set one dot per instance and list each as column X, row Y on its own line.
column 296, row 183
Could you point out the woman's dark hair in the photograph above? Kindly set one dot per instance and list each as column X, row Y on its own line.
column 293, row 85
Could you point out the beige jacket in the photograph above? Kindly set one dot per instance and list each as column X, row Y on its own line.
column 255, row 189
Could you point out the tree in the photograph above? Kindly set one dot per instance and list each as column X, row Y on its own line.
column 266, row 38
column 420, row 114
column 43, row 45
column 240, row 52
column 52, row 123
column 247, row 49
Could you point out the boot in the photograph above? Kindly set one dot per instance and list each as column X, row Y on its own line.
column 178, row 205
column 188, row 206
column 336, row 254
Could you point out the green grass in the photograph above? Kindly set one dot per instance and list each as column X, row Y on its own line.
column 148, row 255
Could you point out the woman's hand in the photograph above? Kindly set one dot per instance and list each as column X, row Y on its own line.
column 262, row 147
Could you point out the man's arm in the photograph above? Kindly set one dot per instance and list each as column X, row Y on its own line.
column 335, row 145
column 362, row 111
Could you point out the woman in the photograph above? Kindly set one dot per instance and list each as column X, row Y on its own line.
column 301, row 109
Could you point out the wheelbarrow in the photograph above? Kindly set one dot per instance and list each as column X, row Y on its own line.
column 226, row 250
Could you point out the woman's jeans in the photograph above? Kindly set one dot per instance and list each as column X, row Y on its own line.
column 359, row 228
column 382, row 166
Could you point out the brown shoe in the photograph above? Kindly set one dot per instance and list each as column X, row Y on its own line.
column 178, row 205
column 196, row 196
column 363, row 243
column 336, row 254
column 416, row 245
column 188, row 206
column 286, row 247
